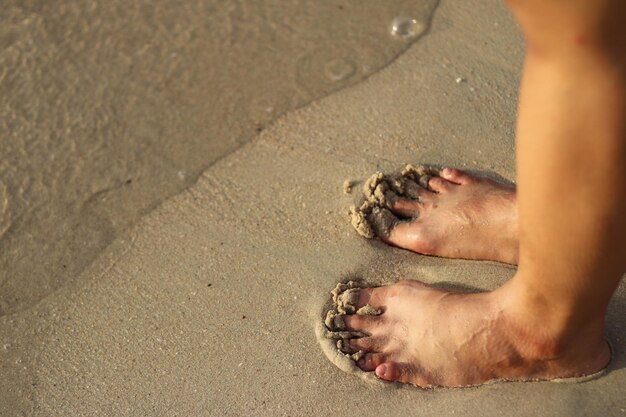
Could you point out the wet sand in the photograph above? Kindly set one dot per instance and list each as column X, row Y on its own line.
column 109, row 108
column 208, row 304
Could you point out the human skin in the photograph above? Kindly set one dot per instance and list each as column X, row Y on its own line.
column 548, row 321
column 459, row 216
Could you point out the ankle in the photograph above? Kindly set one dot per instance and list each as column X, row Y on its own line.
column 544, row 330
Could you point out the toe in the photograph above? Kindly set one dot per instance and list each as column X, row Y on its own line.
column 371, row 361
column 456, row 176
column 399, row 372
column 390, row 371
column 411, row 236
column 440, row 185
column 367, row 344
column 416, row 191
column 404, row 207
column 361, row 323
column 374, row 296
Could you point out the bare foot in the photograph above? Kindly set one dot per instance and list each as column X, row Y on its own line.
column 429, row 337
column 464, row 216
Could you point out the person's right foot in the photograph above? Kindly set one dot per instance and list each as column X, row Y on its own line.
column 461, row 216
column 429, row 337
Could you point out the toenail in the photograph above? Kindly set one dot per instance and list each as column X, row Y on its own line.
column 382, row 370
column 446, row 171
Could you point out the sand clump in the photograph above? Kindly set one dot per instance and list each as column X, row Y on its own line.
column 372, row 216
column 345, row 298
column 347, row 186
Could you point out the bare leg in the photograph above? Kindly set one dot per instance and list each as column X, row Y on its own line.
column 572, row 124
column 548, row 321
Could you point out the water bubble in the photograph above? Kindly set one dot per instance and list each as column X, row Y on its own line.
column 324, row 69
column 406, row 27
column 339, row 69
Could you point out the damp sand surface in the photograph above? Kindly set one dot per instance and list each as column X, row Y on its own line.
column 208, row 304
column 101, row 120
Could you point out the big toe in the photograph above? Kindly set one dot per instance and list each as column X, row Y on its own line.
column 404, row 207
column 413, row 236
column 390, row 371
column 372, row 296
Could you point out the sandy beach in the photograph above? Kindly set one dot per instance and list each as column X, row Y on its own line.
column 168, row 245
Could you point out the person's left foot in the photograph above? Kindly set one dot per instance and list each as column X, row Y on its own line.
column 459, row 216
column 430, row 337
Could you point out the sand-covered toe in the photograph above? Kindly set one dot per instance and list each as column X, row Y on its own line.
column 333, row 335
column 371, row 215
